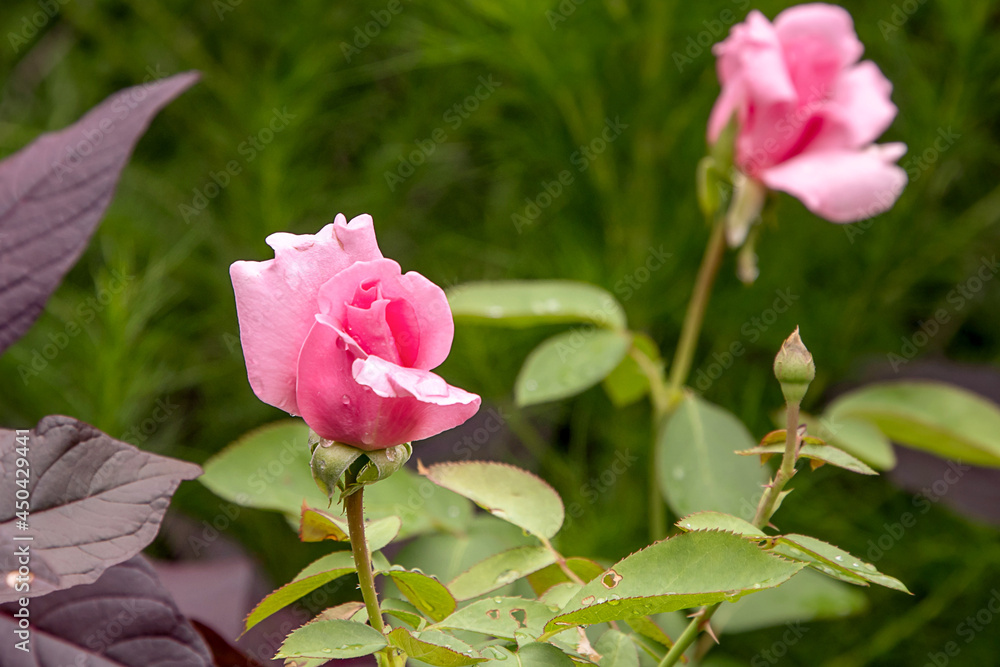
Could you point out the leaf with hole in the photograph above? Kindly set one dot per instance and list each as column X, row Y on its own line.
column 95, row 502
column 568, row 364
column 527, row 303
column 419, row 648
column 500, row 617
column 509, row 493
column 696, row 463
column 688, row 570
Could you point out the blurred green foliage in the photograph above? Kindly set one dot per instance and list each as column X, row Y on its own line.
column 557, row 73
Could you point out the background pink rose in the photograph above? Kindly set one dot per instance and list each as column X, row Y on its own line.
column 808, row 112
column 336, row 333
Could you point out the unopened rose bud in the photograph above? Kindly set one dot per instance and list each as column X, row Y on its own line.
column 794, row 368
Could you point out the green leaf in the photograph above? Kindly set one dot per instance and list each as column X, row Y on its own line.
column 542, row 655
column 552, row 575
column 719, row 521
column 317, row 573
column 318, row 525
column 500, row 617
column 560, row 594
column 808, row 596
column 524, row 303
column 425, row 592
column 447, row 555
column 331, row 639
column 696, row 462
column 617, row 650
column 421, row 505
column 626, row 384
column 568, row 364
column 499, row 570
column 814, row 452
column 431, row 653
column 348, row 611
column 688, row 570
column 648, row 628
column 834, row 561
column 404, row 611
column 507, row 492
column 940, row 418
column 268, row 469
column 858, row 437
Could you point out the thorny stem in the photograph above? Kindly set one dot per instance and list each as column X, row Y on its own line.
column 765, row 509
column 354, row 504
column 687, row 637
column 769, row 501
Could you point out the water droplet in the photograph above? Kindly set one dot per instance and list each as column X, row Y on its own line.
column 531, row 385
column 345, row 399
column 587, row 601
column 614, row 602
column 367, row 438
column 390, row 454
column 328, row 650
column 498, row 600
column 840, row 558
column 854, row 565
column 678, row 472
column 756, row 585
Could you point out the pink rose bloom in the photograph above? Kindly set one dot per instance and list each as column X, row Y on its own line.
column 336, row 333
column 807, row 112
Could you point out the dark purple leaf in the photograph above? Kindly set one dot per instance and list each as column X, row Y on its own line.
column 224, row 653
column 54, row 192
column 124, row 619
column 94, row 502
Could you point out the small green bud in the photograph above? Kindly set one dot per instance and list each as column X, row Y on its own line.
column 339, row 467
column 794, row 368
column 330, row 460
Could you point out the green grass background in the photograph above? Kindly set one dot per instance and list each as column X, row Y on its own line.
column 170, row 335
